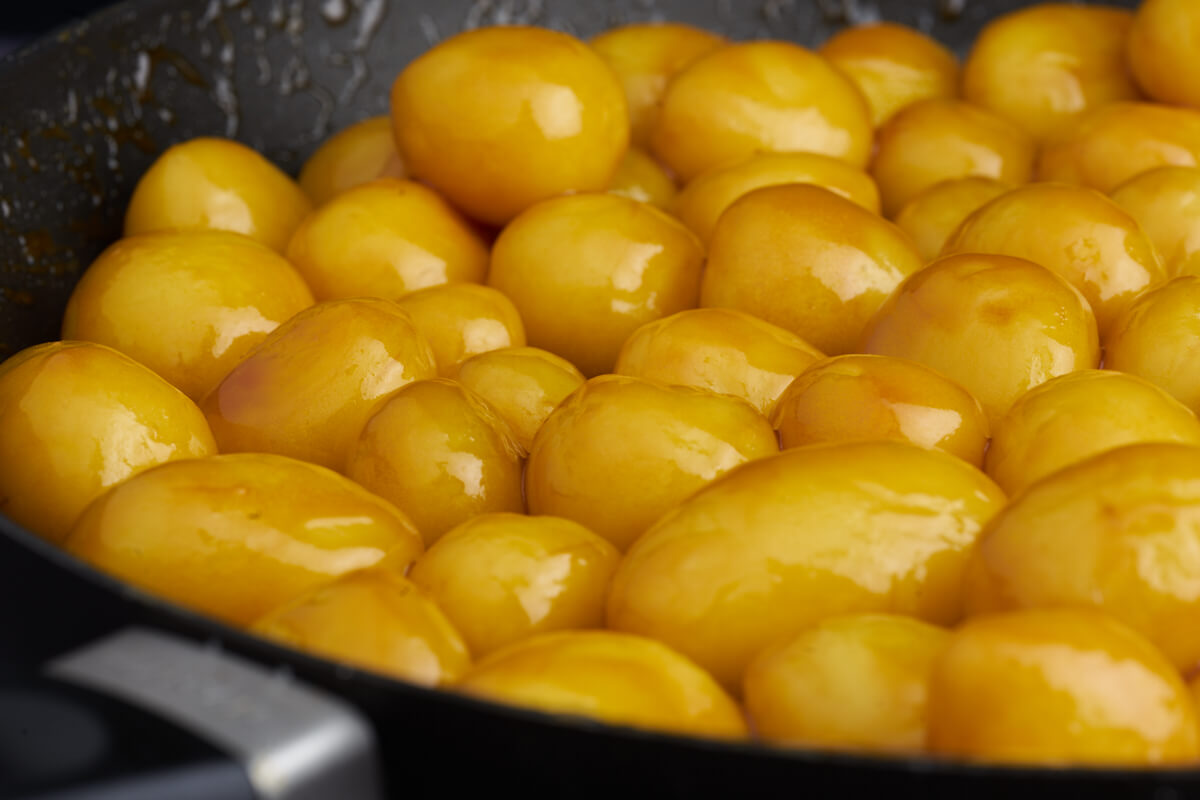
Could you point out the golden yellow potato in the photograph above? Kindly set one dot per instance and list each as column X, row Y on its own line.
column 237, row 535
column 1118, row 531
column 460, row 320
column 865, row 398
column 646, row 56
column 639, row 177
column 937, row 140
column 522, row 384
column 1166, row 203
column 934, row 215
column 857, row 683
column 385, row 238
column 499, row 118
column 586, row 271
column 996, row 325
column 375, row 619
column 77, row 418
column 807, row 260
column 620, row 452
column 721, row 350
column 1164, row 50
column 893, row 65
column 1158, row 338
column 504, row 577
column 763, row 96
column 1058, row 687
column 1073, row 417
column 700, row 204
column 441, row 454
column 217, row 184
column 1045, row 66
column 1118, row 141
column 353, row 156
column 1074, row 231
column 787, row 541
column 311, row 385
column 612, row 677
column 188, row 305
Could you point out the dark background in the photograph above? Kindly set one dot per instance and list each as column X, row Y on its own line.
column 23, row 21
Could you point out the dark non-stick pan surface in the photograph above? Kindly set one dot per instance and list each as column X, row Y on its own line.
column 83, row 113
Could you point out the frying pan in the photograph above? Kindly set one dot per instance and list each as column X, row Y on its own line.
column 95, row 677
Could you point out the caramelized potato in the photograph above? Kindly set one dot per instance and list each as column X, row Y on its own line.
column 499, row 118
column 996, row 325
column 375, row 619
column 893, row 65
column 461, row 320
column 1166, row 203
column 217, row 184
column 872, row 398
column 501, row 578
column 441, row 454
column 721, row 350
column 763, row 96
column 1163, row 50
column 236, row 536
column 620, row 452
column 934, row 215
column 586, row 271
column 646, row 56
column 1078, row 233
column 188, row 305
column 807, row 260
column 639, row 177
column 937, row 140
column 77, row 418
column 1117, row 532
column 1158, row 338
column 787, row 541
column 385, row 239
column 351, row 157
column 1054, row 687
column 1045, row 66
column 613, row 677
column 856, row 683
column 309, row 388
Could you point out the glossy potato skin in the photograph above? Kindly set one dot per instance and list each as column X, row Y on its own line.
column 807, row 260
column 940, row 139
column 522, row 384
column 867, row 398
column 1053, row 687
column 620, row 452
column 1117, row 532
column 77, row 418
column 996, row 325
column 187, row 305
column 1166, row 203
column 385, row 239
column 1075, row 416
column 1045, row 66
column 639, row 177
column 1158, row 338
column 307, row 390
column 763, row 96
column 441, row 454
column 787, row 541
column 1163, row 47
column 535, row 113
column 646, row 56
column 1118, row 141
column 1079, row 233
column 355, row 155
column 856, row 683
column 893, row 65
column 235, row 536
column 217, row 184
column 460, row 320
column 505, row 577
column 585, row 271
column 719, row 349
column 933, row 216
column 376, row 619
column 608, row 676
